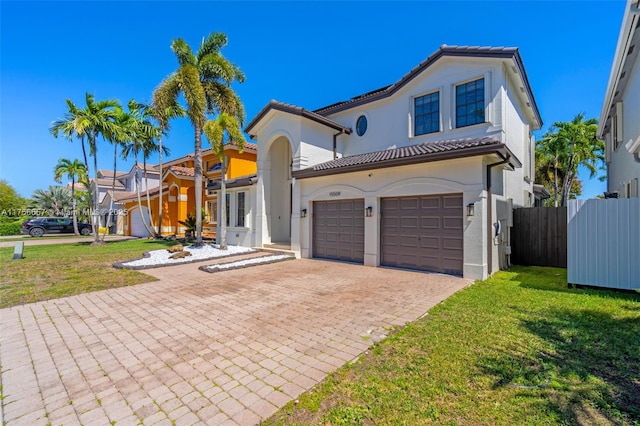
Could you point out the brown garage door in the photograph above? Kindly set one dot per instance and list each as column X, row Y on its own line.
column 338, row 230
column 423, row 232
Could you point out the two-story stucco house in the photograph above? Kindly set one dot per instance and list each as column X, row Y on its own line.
column 619, row 122
column 420, row 174
column 125, row 183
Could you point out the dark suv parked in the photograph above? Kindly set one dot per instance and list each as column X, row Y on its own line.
column 38, row 226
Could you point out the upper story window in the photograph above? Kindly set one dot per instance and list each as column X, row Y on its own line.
column 361, row 125
column 470, row 103
column 426, row 114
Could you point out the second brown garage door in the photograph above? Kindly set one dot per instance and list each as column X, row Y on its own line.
column 423, row 232
column 338, row 230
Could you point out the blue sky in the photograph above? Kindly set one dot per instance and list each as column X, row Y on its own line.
column 305, row 53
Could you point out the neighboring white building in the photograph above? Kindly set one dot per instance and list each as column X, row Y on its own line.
column 421, row 174
column 619, row 122
column 126, row 184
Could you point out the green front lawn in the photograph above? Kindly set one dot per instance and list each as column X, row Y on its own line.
column 57, row 270
column 518, row 349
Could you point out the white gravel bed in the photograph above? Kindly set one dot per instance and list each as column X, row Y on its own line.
column 246, row 262
column 205, row 252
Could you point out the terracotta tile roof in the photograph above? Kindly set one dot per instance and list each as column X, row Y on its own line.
column 296, row 110
column 109, row 173
column 248, row 145
column 124, row 195
column 108, row 182
column 182, row 171
column 129, row 196
column 421, row 153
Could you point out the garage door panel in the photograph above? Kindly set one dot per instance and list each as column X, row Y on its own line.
column 338, row 230
column 454, row 223
column 429, row 203
column 452, row 202
column 430, row 222
column 409, row 241
column 409, row 203
column 435, row 245
column 430, row 242
column 409, row 222
column 451, row 243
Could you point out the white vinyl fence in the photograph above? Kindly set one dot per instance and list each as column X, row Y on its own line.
column 603, row 238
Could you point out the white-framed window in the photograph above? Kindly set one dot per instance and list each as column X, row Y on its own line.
column 212, row 211
column 426, row 113
column 240, row 209
column 470, row 103
column 236, row 209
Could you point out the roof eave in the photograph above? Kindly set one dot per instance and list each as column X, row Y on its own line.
column 509, row 53
column 624, row 37
column 277, row 106
column 501, row 150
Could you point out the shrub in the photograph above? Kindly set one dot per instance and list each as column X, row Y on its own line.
column 10, row 228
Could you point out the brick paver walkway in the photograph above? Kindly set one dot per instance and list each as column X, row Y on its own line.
column 199, row 348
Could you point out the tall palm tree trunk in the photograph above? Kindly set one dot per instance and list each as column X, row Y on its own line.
column 113, row 190
column 95, row 213
column 146, row 188
column 84, row 153
column 197, row 171
column 159, row 234
column 222, row 238
column 74, row 213
column 144, row 221
column 567, row 176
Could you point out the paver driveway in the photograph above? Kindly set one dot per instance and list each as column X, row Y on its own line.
column 199, row 348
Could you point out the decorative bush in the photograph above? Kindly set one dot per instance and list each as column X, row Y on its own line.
column 10, row 228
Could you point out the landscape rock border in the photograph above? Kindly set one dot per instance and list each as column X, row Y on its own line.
column 147, row 254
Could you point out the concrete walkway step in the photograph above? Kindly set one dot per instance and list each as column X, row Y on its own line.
column 246, row 263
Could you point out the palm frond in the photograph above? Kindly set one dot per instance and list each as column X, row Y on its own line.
column 189, row 83
column 214, row 66
column 183, row 52
column 212, row 43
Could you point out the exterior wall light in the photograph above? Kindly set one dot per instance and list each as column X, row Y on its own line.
column 303, row 213
column 368, row 211
column 471, row 209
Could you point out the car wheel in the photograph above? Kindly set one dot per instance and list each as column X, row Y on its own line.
column 85, row 231
column 36, row 232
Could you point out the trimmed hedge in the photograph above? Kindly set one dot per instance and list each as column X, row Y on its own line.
column 11, row 228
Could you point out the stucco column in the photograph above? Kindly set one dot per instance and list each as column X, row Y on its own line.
column 475, row 235
column 295, row 216
column 371, row 234
column 261, row 230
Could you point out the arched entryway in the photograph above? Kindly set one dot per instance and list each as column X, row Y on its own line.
column 278, row 192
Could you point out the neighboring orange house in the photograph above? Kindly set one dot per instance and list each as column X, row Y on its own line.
column 178, row 191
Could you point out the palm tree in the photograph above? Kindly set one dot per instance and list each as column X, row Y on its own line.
column 71, row 169
column 215, row 131
column 150, row 147
column 567, row 146
column 204, row 79
column 94, row 120
column 56, row 199
column 162, row 117
column 140, row 139
column 73, row 124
